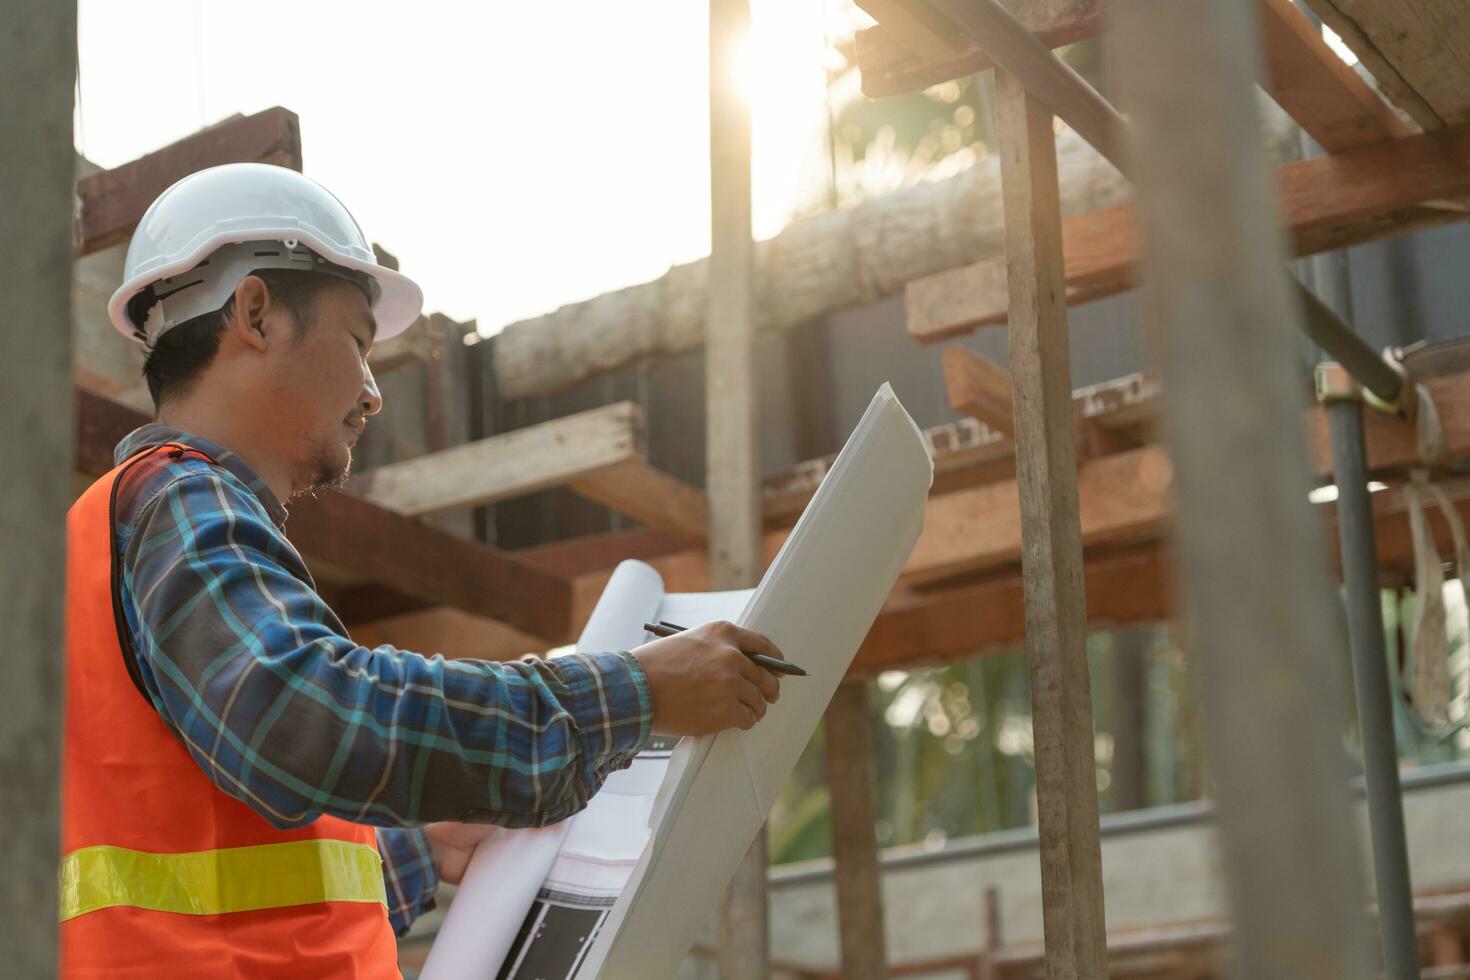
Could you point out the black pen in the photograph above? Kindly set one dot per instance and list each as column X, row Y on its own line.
column 770, row 663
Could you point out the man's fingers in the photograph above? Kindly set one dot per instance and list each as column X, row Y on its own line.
column 769, row 684
column 752, row 642
column 749, row 670
column 751, row 697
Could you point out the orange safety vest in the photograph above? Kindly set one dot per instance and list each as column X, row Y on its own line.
column 162, row 873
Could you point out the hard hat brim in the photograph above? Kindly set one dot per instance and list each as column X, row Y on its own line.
column 400, row 300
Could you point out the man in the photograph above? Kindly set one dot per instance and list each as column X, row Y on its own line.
column 229, row 750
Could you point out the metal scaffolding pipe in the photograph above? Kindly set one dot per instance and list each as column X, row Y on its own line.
column 1370, row 676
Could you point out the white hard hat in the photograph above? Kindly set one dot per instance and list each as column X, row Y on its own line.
column 213, row 228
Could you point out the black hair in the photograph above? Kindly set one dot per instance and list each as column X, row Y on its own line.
column 179, row 356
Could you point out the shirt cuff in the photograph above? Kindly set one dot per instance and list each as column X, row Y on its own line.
column 409, row 876
column 610, row 703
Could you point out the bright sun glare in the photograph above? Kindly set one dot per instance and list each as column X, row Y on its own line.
column 513, row 166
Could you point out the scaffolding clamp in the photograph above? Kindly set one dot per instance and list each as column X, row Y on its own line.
column 1333, row 382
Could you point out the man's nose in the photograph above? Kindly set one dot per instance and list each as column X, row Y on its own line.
column 371, row 399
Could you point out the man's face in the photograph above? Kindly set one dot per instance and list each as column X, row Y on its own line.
column 322, row 390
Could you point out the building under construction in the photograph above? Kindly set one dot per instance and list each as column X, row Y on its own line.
column 1193, row 366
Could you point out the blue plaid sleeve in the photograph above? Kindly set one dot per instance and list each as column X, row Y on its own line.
column 244, row 660
column 409, row 876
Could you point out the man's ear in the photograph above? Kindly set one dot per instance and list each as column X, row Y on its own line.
column 247, row 320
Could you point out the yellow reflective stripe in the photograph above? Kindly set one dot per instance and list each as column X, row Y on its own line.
column 233, row 879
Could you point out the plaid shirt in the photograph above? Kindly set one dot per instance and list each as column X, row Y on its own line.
column 246, row 664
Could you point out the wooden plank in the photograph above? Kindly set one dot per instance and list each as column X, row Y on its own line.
column 968, row 453
column 1332, row 102
column 979, row 388
column 1123, row 587
column 1417, row 50
column 649, row 495
column 1252, row 561
column 110, row 203
column 362, row 540
column 1123, row 497
column 508, row 465
column 732, row 467
column 356, row 541
column 1051, row 561
column 1327, row 202
column 38, row 56
column 848, row 746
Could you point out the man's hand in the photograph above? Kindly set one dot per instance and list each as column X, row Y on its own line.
column 452, row 844
column 702, row 682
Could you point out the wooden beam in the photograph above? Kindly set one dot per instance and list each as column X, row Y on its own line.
column 110, row 203
column 508, row 465
column 1123, row 497
column 848, row 746
column 1417, row 50
column 1323, row 94
column 915, row 629
column 968, row 453
column 649, row 495
column 356, row 541
column 732, row 457
column 979, row 388
column 1051, row 559
column 1327, row 202
column 1252, row 561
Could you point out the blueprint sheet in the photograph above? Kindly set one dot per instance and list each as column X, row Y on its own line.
column 817, row 602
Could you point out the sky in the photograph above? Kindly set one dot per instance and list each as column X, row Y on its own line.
column 514, row 157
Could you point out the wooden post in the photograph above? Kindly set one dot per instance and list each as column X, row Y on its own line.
column 37, row 70
column 994, row 937
column 733, row 465
column 1130, row 722
column 1263, row 619
column 859, row 880
column 1051, row 532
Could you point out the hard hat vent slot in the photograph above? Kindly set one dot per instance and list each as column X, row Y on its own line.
column 260, row 254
